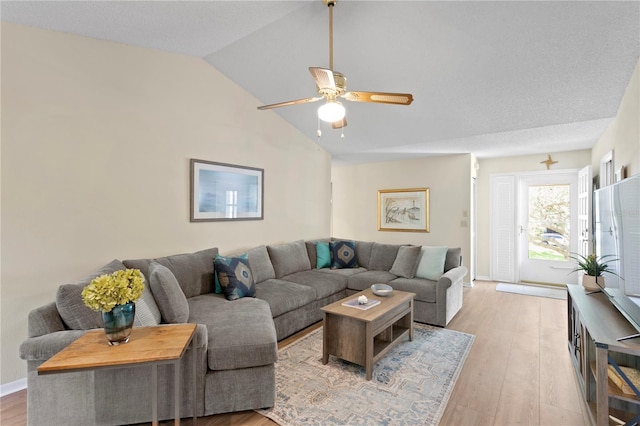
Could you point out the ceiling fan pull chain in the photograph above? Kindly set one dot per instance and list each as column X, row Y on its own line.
column 319, row 131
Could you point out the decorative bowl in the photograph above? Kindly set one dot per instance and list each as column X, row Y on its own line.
column 382, row 289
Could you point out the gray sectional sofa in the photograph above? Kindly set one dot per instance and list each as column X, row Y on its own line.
column 235, row 341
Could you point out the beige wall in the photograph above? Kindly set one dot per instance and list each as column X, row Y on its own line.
column 355, row 200
column 96, row 142
column 623, row 134
column 527, row 163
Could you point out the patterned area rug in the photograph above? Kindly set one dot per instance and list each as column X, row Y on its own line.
column 411, row 384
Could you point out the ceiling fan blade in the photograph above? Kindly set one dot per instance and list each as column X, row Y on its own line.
column 380, row 97
column 323, row 77
column 287, row 103
column 339, row 124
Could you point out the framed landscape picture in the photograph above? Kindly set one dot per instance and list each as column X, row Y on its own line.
column 222, row 191
column 403, row 210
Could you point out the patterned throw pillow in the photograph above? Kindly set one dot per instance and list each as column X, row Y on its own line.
column 343, row 254
column 323, row 255
column 234, row 276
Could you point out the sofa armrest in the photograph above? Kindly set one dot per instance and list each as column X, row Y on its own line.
column 45, row 320
column 452, row 276
column 41, row 348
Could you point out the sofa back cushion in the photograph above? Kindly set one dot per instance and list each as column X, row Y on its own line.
column 193, row 271
column 260, row 264
column 453, row 259
column 75, row 314
column 363, row 251
column 383, row 256
column 289, row 258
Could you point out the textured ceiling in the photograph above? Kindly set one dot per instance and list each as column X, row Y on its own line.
column 491, row 78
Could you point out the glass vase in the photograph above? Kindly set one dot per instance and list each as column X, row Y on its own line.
column 118, row 323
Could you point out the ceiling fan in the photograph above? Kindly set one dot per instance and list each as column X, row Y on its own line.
column 332, row 85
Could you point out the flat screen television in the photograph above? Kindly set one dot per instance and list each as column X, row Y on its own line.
column 616, row 217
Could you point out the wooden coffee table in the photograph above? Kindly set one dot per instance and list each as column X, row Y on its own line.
column 163, row 344
column 365, row 336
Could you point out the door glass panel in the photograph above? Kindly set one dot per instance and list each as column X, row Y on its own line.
column 549, row 222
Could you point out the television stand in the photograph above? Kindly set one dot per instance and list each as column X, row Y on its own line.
column 594, row 329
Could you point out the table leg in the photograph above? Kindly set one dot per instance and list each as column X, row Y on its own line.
column 195, row 381
column 154, row 395
column 411, row 320
column 325, row 340
column 176, row 392
column 368, row 356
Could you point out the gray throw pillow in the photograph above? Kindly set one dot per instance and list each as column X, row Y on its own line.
column 75, row 314
column 168, row 294
column 406, row 262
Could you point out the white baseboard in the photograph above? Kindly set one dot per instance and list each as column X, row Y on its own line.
column 479, row 278
column 9, row 388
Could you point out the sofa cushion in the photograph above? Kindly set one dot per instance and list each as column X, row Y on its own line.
column 235, row 277
column 323, row 255
column 284, row 296
column 364, row 280
column 363, row 251
column 383, row 256
column 240, row 334
column 193, row 271
column 431, row 264
column 289, row 258
column 260, row 264
column 406, row 261
column 323, row 284
column 75, row 314
column 343, row 272
column 168, row 294
column 453, row 259
column 343, row 254
column 425, row 290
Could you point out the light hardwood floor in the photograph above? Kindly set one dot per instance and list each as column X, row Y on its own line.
column 518, row 370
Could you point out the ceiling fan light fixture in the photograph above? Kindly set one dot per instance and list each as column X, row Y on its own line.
column 331, row 112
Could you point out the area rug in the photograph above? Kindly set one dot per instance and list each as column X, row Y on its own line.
column 532, row 290
column 411, row 384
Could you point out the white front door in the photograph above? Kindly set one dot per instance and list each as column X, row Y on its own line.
column 548, row 227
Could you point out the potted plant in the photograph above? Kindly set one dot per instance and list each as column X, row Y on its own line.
column 593, row 266
column 113, row 295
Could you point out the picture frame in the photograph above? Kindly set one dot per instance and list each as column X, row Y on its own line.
column 404, row 210
column 225, row 192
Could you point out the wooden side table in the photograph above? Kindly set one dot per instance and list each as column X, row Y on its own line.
column 163, row 344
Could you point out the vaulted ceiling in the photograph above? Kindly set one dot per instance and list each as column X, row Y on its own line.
column 493, row 78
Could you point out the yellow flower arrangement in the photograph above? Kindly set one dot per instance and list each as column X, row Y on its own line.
column 119, row 288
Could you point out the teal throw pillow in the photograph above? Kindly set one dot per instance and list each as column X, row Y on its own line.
column 343, row 254
column 234, row 276
column 323, row 255
column 431, row 263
